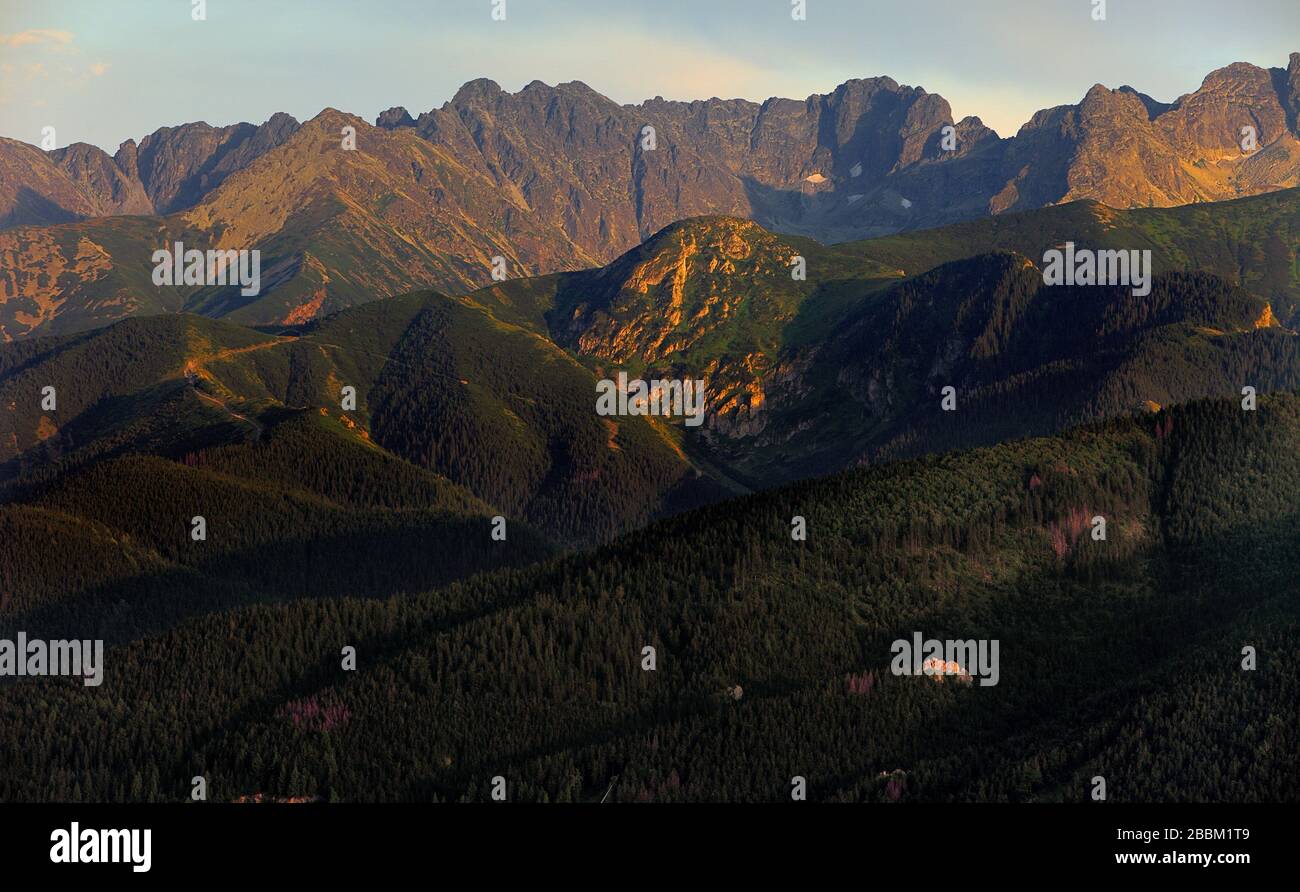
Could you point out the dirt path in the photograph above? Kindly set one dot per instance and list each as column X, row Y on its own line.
column 194, row 371
column 229, row 411
column 199, row 362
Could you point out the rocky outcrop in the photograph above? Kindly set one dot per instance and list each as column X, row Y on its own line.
column 171, row 169
column 115, row 190
column 395, row 117
column 179, row 166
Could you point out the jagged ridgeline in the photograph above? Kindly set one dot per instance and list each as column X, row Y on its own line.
column 1120, row 657
column 561, row 177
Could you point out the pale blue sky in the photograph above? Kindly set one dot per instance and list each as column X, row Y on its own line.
column 100, row 71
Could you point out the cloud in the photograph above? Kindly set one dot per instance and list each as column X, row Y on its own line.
column 62, row 68
column 35, row 35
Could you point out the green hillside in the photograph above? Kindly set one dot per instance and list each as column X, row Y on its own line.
column 494, row 391
column 1250, row 242
column 1023, row 359
column 848, row 365
column 442, row 388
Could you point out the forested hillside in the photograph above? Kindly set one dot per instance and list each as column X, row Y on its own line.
column 437, row 385
column 424, row 479
column 495, row 391
column 1250, row 242
column 848, row 365
column 310, row 511
column 1024, row 359
column 1120, row 657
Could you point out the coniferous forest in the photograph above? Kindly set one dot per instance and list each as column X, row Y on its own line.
column 524, row 657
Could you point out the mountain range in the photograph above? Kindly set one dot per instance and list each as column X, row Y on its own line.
column 561, row 178
column 906, row 427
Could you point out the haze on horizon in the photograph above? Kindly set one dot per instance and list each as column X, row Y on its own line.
column 103, row 73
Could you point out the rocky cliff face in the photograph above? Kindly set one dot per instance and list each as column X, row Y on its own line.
column 178, row 166
column 115, row 190
column 35, row 190
column 1127, row 150
column 867, row 159
column 870, row 158
column 610, row 176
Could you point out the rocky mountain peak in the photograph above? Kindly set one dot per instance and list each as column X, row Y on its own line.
column 115, row 190
column 562, row 178
column 1293, row 87
column 395, row 117
column 478, row 90
column 126, row 157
